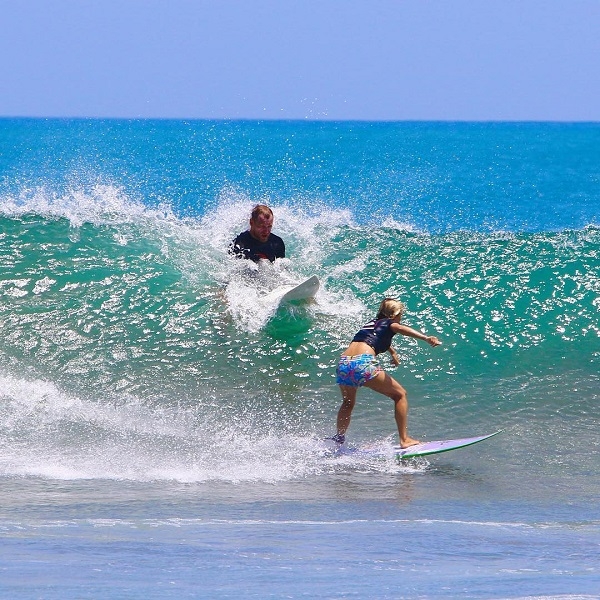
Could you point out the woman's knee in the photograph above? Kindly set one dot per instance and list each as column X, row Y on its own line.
column 399, row 394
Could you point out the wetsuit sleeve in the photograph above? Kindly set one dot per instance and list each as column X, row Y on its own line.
column 239, row 247
column 279, row 250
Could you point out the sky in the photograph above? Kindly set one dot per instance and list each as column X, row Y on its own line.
column 376, row 60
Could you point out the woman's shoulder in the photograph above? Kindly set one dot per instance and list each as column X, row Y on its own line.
column 385, row 322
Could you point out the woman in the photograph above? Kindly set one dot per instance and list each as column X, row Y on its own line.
column 358, row 366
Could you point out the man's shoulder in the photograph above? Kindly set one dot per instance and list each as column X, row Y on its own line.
column 243, row 237
column 244, row 241
column 278, row 246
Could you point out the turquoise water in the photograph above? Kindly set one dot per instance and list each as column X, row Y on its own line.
column 161, row 425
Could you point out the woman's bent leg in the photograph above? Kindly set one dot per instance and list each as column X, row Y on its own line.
column 388, row 386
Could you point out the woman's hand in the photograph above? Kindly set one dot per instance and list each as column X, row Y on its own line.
column 432, row 340
column 395, row 357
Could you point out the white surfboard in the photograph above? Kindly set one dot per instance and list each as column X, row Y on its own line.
column 424, row 449
column 303, row 291
column 438, row 446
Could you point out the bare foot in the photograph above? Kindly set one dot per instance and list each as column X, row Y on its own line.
column 408, row 442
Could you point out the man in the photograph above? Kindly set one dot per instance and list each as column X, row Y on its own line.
column 258, row 242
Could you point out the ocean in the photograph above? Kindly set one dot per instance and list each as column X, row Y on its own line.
column 161, row 425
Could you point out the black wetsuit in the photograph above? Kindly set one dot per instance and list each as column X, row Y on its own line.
column 245, row 246
column 377, row 334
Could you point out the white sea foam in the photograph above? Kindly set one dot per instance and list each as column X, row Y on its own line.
column 46, row 432
column 98, row 204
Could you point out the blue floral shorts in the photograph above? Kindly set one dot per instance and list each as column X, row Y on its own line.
column 357, row 370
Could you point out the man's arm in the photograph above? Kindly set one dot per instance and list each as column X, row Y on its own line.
column 238, row 248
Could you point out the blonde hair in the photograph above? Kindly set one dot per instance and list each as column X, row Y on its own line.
column 390, row 308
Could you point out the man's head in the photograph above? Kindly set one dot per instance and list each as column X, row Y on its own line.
column 261, row 222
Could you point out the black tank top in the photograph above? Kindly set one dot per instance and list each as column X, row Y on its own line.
column 377, row 334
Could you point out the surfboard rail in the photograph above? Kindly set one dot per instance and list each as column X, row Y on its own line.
column 288, row 293
column 401, row 454
column 439, row 446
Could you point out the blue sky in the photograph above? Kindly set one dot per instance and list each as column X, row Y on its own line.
column 302, row 59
